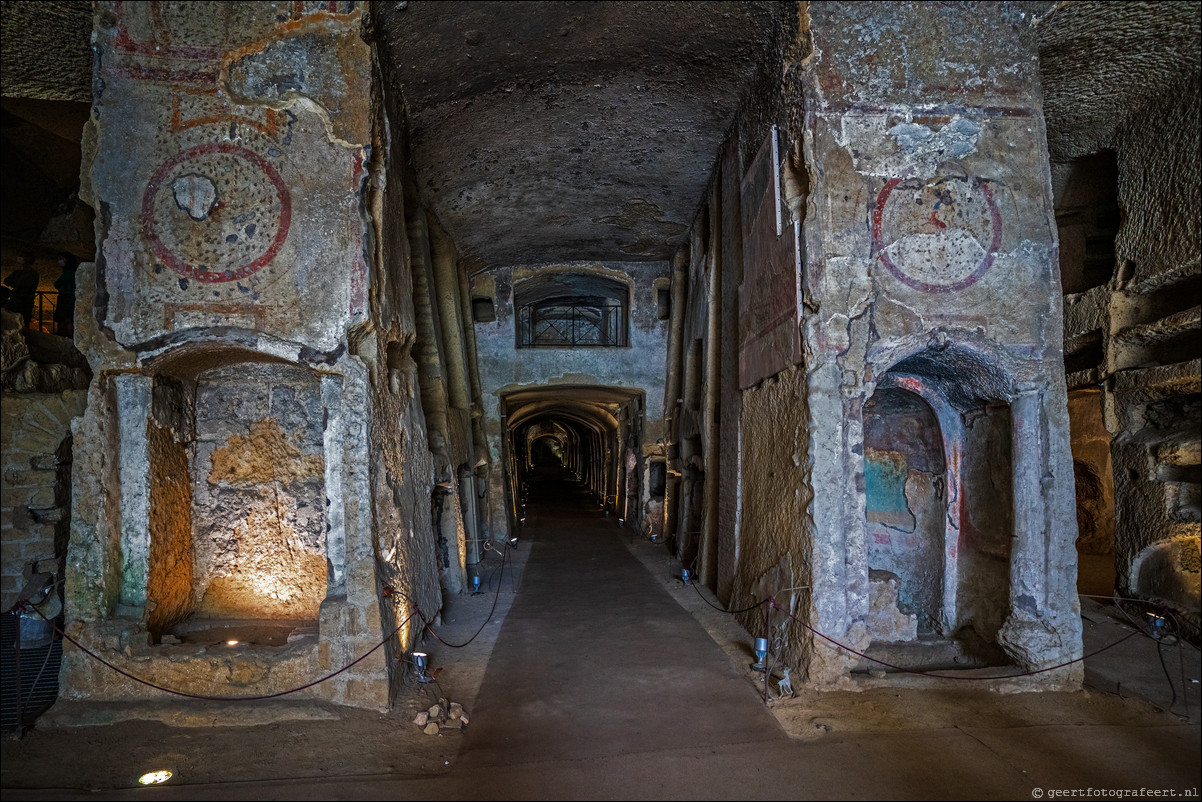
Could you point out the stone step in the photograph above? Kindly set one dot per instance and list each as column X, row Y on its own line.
column 929, row 652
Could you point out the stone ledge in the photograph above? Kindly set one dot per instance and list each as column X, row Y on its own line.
column 184, row 713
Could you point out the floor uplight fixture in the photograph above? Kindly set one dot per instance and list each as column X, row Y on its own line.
column 761, row 654
column 419, row 665
column 157, row 777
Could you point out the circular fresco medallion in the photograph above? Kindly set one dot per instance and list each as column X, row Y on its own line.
column 937, row 235
column 216, row 212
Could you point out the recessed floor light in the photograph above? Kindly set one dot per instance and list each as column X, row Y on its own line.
column 156, row 777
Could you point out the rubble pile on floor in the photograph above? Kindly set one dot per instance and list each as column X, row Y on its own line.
column 443, row 715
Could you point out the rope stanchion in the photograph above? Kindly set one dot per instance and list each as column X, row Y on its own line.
column 771, row 601
column 206, row 698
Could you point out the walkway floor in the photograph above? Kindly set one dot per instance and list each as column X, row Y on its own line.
column 604, row 682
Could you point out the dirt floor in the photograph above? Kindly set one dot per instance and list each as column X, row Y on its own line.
column 101, row 746
column 816, row 714
column 202, row 743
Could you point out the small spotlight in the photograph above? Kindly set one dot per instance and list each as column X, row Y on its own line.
column 419, row 664
column 156, row 777
column 761, row 654
column 475, row 584
column 684, row 575
column 231, row 643
column 621, row 522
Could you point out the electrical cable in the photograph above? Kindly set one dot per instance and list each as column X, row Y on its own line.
column 32, row 688
column 1168, row 614
column 1184, row 683
column 1172, row 688
column 261, row 698
column 1159, row 609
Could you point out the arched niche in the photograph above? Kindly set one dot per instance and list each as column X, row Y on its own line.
column 939, row 478
column 906, row 504
column 241, row 529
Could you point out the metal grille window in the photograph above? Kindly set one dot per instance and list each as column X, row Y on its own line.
column 572, row 321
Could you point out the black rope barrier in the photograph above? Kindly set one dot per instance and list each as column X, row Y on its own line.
column 771, row 600
column 204, row 697
column 949, row 676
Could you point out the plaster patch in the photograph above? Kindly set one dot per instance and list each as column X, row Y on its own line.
column 195, row 195
column 905, row 148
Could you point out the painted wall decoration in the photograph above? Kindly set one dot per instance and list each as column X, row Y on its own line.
column 905, row 499
column 231, row 203
column 216, row 212
column 937, row 235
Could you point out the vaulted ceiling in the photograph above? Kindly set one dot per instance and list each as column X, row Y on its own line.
column 563, row 131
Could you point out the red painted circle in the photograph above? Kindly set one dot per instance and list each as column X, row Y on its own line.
column 200, row 272
column 878, row 245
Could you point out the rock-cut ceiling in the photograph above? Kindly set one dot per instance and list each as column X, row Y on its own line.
column 548, row 132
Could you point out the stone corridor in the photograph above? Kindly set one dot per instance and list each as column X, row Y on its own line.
column 888, row 311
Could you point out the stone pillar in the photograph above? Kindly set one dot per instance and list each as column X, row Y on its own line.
column 133, row 392
column 928, row 245
column 707, row 563
column 331, row 401
column 1028, row 557
column 231, row 235
column 1044, row 626
column 672, row 397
